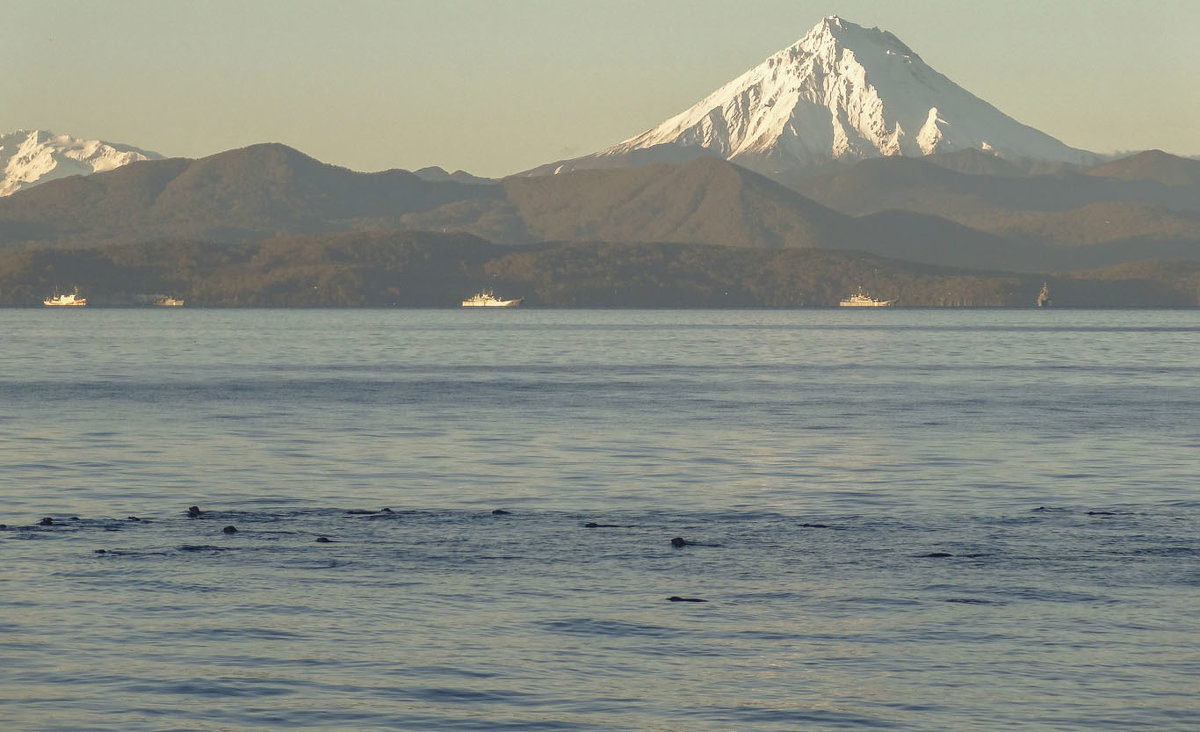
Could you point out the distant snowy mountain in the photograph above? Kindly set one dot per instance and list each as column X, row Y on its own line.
column 29, row 157
column 842, row 93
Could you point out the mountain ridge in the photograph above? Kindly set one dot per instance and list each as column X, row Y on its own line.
column 902, row 208
column 237, row 195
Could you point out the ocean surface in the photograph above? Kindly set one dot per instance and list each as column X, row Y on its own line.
column 897, row 519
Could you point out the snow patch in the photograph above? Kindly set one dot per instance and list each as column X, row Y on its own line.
column 930, row 135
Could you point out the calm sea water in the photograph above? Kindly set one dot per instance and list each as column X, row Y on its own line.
column 909, row 519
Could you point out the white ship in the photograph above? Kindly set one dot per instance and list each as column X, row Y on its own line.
column 862, row 300
column 169, row 302
column 70, row 300
column 486, row 299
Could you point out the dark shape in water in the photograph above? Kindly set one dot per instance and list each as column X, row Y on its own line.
column 500, row 512
column 678, row 542
column 323, row 540
column 1101, row 513
column 936, row 555
column 134, row 518
column 593, row 525
column 230, row 529
column 193, row 511
column 46, row 522
column 102, row 551
column 677, row 598
column 368, row 513
column 814, row 526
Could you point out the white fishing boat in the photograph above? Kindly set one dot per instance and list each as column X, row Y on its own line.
column 69, row 300
column 862, row 300
column 487, row 299
column 169, row 302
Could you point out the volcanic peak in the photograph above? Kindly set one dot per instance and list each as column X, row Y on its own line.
column 841, row 93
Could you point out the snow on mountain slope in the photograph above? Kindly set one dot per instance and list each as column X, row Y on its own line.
column 843, row 93
column 29, row 157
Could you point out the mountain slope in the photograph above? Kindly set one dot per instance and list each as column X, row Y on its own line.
column 706, row 201
column 929, row 185
column 1152, row 165
column 236, row 196
column 841, row 93
column 29, row 157
column 1095, row 223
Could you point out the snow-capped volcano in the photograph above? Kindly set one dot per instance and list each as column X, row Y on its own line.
column 843, row 92
column 29, row 157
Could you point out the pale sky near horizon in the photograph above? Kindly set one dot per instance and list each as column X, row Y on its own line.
column 499, row 86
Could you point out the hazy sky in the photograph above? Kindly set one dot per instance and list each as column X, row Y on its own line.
column 498, row 86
